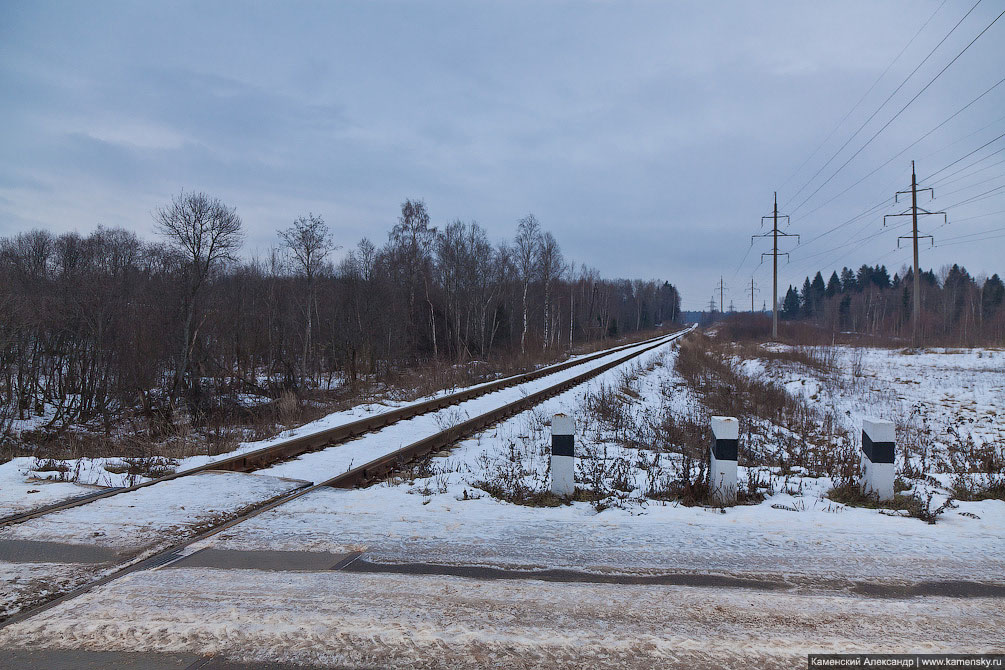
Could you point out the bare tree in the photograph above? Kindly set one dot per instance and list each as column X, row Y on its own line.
column 551, row 265
column 309, row 241
column 206, row 233
column 411, row 244
column 528, row 252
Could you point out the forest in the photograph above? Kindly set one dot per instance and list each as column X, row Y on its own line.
column 106, row 327
column 957, row 309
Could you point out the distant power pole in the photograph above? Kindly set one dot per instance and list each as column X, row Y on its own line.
column 722, row 288
column 711, row 304
column 753, row 289
column 774, row 234
column 913, row 213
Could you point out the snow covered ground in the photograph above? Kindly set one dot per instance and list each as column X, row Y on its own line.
column 133, row 525
column 814, row 568
column 955, row 393
column 154, row 517
column 23, row 488
column 397, row 621
column 445, row 518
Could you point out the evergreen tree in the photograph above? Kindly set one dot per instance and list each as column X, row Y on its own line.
column 818, row 291
column 880, row 277
column 790, row 306
column 844, row 312
column 992, row 296
column 864, row 277
column 833, row 285
column 807, row 299
column 955, row 290
column 848, row 283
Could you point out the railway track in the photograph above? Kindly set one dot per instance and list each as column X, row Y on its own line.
column 261, row 458
column 363, row 474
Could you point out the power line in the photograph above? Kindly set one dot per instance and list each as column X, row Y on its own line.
column 860, row 101
column 982, row 239
column 903, row 151
column 968, row 135
column 909, row 102
column 981, row 232
column 967, row 176
column 974, row 185
column 873, row 115
column 965, row 157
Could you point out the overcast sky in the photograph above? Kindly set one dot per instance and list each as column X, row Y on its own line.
column 647, row 136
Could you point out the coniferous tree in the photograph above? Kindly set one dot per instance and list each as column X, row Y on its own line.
column 992, row 296
column 806, row 299
column 818, row 291
column 790, row 305
column 833, row 285
column 848, row 283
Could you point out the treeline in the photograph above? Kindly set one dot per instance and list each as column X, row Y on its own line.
column 956, row 308
column 95, row 324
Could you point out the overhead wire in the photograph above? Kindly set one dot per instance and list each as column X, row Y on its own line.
column 878, row 109
column 903, row 151
column 860, row 101
column 902, row 109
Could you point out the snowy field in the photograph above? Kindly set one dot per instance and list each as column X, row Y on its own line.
column 801, row 573
column 950, row 395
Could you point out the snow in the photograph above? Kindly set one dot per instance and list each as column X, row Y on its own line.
column 28, row 583
column 21, row 489
column 795, row 531
column 17, row 477
column 150, row 515
column 359, row 620
column 329, row 462
column 951, row 395
column 823, row 540
column 821, row 555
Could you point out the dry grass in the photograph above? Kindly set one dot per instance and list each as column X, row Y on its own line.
column 916, row 505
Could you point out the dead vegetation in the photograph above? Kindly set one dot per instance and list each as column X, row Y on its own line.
column 917, row 505
column 226, row 421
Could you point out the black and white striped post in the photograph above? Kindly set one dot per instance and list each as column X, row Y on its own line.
column 879, row 441
column 722, row 461
column 563, row 455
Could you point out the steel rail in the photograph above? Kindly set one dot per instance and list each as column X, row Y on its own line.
column 357, row 476
column 297, row 446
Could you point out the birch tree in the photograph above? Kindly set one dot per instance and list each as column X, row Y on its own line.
column 309, row 241
column 527, row 252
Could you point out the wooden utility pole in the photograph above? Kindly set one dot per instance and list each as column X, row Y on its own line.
column 774, row 234
column 914, row 236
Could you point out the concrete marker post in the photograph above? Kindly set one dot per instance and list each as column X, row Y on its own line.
column 879, row 441
column 722, row 459
column 563, row 455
